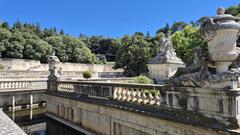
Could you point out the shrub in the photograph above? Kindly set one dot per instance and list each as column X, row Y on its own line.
column 142, row 79
column 87, row 74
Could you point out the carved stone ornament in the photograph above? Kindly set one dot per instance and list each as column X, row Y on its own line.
column 222, row 65
column 221, row 33
column 55, row 71
column 53, row 61
column 167, row 53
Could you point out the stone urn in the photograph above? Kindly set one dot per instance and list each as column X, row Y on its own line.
column 221, row 33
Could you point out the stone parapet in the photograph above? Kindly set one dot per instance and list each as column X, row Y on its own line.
column 217, row 108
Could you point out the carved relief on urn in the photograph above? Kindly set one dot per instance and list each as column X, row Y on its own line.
column 221, row 33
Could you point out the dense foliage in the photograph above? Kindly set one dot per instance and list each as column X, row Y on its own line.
column 29, row 41
column 185, row 40
column 142, row 79
column 134, row 53
column 131, row 52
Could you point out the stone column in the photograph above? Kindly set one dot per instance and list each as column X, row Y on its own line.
column 31, row 114
column 13, row 103
column 31, row 101
column 13, row 115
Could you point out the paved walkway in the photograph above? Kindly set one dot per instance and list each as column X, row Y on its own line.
column 8, row 127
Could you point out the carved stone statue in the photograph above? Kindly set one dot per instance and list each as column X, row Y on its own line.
column 165, row 64
column 200, row 64
column 53, row 61
column 167, row 52
column 55, row 71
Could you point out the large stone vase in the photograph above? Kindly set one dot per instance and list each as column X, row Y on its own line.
column 222, row 48
column 221, row 33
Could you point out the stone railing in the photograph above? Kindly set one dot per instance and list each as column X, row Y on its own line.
column 36, row 74
column 15, row 74
column 44, row 74
column 145, row 94
column 15, row 84
column 220, row 104
column 11, row 85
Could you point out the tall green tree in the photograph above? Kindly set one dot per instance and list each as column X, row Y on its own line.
column 83, row 55
column 184, row 41
column 177, row 26
column 133, row 55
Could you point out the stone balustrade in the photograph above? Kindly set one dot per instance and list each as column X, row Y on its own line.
column 220, row 104
column 15, row 84
column 44, row 74
column 15, row 74
column 145, row 94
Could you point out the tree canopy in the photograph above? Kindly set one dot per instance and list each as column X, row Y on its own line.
column 130, row 52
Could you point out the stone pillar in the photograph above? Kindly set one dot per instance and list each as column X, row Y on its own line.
column 31, row 114
column 13, row 103
column 13, row 115
column 31, row 101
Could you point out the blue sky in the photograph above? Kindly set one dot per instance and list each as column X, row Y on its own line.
column 113, row 18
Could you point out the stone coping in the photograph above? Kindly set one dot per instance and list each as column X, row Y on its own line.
column 8, row 127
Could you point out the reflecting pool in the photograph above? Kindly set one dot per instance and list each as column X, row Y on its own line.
column 35, row 122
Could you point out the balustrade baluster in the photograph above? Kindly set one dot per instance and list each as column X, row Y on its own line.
column 157, row 97
column 120, row 96
column 129, row 94
column 151, row 97
column 145, row 96
column 124, row 94
column 139, row 96
column 134, row 95
column 115, row 92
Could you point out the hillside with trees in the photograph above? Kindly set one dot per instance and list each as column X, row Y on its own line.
column 131, row 52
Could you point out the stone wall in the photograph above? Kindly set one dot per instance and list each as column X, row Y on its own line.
column 114, row 121
column 18, row 64
column 33, row 65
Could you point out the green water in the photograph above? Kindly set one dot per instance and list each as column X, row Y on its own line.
column 35, row 122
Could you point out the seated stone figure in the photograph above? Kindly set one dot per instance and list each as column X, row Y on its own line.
column 200, row 64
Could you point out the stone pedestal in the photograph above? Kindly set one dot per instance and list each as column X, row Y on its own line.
column 161, row 71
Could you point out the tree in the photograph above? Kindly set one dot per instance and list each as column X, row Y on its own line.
column 37, row 50
column 133, row 55
column 164, row 30
column 234, row 10
column 58, row 47
column 17, row 25
column 13, row 50
column 177, row 26
column 83, row 55
column 5, row 34
column 184, row 41
column 62, row 32
column 5, row 25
